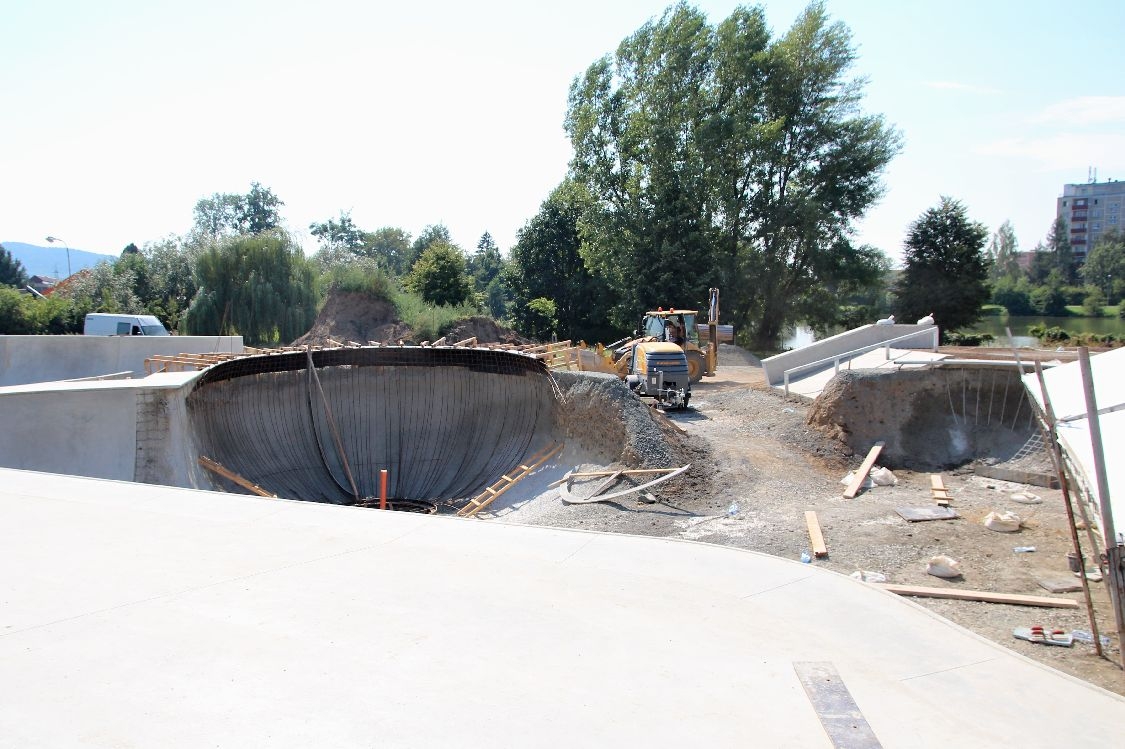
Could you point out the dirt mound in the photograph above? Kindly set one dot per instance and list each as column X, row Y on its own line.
column 351, row 316
column 485, row 330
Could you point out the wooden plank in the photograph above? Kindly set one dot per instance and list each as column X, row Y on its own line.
column 605, row 485
column 864, row 469
column 816, row 537
column 937, row 483
column 226, row 473
column 978, row 595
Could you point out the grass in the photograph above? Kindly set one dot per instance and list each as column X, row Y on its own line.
column 429, row 322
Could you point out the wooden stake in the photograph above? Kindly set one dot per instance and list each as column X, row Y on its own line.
column 816, row 537
column 226, row 473
column 864, row 469
column 382, row 488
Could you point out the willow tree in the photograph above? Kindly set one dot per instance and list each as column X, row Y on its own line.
column 258, row 286
column 718, row 156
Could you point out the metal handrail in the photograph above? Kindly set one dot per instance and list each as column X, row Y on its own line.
column 886, row 345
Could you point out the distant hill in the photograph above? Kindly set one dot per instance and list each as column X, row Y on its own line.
column 51, row 261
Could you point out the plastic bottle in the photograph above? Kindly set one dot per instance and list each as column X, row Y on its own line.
column 805, row 557
column 732, row 510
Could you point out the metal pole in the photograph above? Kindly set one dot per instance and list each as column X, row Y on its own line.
column 1056, row 461
column 1112, row 547
column 69, row 272
column 383, row 489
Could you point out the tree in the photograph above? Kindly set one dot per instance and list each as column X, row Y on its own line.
column 431, row 234
column 342, row 234
column 1058, row 243
column 12, row 272
column 259, row 286
column 107, row 287
column 171, row 279
column 130, row 249
column 260, row 210
column 225, row 214
column 439, row 275
column 485, row 268
column 546, row 263
column 1003, row 251
column 717, row 156
column 390, row 246
column 946, row 269
column 1105, row 265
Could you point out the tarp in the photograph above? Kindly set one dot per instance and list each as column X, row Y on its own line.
column 1064, row 388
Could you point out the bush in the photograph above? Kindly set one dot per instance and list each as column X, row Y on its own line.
column 1093, row 303
column 967, row 339
column 428, row 321
column 1049, row 301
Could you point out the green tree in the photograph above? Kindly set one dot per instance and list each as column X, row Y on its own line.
column 1003, row 252
column 12, row 272
column 258, row 286
column 171, row 279
column 1048, row 298
column 432, row 234
column 1013, row 296
column 1094, row 302
column 1105, row 265
column 224, row 214
column 342, row 233
column 485, row 268
column 107, row 287
column 717, row 156
column 1058, row 244
column 1043, row 261
column 946, row 269
column 439, row 275
column 391, row 247
column 546, row 263
column 541, row 318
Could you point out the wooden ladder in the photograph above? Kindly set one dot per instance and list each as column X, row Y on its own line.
column 506, row 482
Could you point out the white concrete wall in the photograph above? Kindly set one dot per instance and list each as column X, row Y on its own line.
column 842, row 343
column 47, row 358
column 90, row 428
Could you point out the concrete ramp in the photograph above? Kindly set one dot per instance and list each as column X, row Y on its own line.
column 445, row 422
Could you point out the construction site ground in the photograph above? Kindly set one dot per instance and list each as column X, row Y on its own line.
column 760, row 467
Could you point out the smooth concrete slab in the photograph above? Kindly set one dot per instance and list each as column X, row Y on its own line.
column 811, row 384
column 139, row 615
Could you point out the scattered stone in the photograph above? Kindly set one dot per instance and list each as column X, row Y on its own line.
column 1002, row 522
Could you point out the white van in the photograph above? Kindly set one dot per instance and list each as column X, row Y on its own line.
column 104, row 323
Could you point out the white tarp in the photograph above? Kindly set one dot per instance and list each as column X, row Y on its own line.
column 1064, row 387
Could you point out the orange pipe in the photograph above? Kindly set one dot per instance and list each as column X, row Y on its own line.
column 382, row 488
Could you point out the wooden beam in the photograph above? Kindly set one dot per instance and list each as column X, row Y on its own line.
column 226, row 473
column 816, row 537
column 978, row 595
column 864, row 469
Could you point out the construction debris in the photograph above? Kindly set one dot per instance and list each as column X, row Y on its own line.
column 921, row 514
column 816, row 537
column 980, row 595
column 1002, row 522
column 861, row 474
column 597, row 496
column 1044, row 636
column 943, row 566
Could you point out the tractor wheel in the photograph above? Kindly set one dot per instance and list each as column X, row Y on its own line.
column 694, row 365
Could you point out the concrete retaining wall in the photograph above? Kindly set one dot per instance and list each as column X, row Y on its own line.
column 47, row 358
column 91, row 428
column 775, row 366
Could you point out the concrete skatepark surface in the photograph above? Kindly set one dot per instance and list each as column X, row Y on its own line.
column 139, row 615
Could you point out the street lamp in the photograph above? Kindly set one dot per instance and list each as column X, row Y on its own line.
column 64, row 244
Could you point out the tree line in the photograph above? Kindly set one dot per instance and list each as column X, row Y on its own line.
column 703, row 155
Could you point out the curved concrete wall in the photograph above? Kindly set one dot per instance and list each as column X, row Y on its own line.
column 444, row 422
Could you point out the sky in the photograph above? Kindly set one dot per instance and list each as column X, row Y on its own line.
column 117, row 116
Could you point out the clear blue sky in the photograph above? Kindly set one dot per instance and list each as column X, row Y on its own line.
column 119, row 115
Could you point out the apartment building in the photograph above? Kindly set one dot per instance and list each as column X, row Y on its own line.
column 1089, row 210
